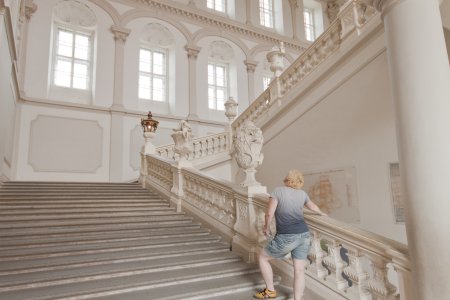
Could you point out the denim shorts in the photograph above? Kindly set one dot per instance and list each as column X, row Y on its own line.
column 298, row 244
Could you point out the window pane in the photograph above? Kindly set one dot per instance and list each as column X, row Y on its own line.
column 220, row 76
column 220, row 5
column 65, row 43
column 210, row 74
column 144, row 61
column 210, row 4
column 63, row 73
column 211, row 98
column 144, row 87
column 158, row 63
column 81, row 46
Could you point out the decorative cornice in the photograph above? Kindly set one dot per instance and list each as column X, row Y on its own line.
column 221, row 22
column 192, row 51
column 120, row 33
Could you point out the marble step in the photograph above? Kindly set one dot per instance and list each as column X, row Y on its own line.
column 30, row 216
column 92, row 221
column 42, row 252
column 27, row 265
column 33, row 210
column 169, row 277
column 239, row 287
column 63, row 183
column 44, row 241
column 85, row 206
column 7, row 187
column 76, row 274
column 90, row 229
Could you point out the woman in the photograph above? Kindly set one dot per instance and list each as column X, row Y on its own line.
column 286, row 204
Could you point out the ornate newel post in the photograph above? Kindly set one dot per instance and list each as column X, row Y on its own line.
column 231, row 113
column 149, row 125
column 182, row 137
column 248, row 142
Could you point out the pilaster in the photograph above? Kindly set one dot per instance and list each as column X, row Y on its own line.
column 120, row 37
column 251, row 66
column 192, row 52
column 27, row 11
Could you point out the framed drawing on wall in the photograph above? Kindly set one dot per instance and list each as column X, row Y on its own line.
column 397, row 200
column 334, row 191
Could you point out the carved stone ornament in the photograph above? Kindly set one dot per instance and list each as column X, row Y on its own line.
column 182, row 138
column 156, row 34
column 221, row 50
column 248, row 143
column 75, row 13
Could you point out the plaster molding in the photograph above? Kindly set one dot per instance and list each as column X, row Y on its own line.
column 120, row 33
column 221, row 22
column 75, row 13
column 383, row 5
column 251, row 65
column 2, row 4
column 192, row 51
column 30, row 9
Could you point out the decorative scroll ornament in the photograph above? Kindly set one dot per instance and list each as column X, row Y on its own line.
column 248, row 143
column 75, row 13
column 157, row 35
column 182, row 138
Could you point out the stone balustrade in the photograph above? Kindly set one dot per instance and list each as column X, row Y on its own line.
column 350, row 22
column 351, row 262
column 205, row 146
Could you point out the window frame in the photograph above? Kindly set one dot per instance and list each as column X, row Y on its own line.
column 152, row 75
column 310, row 29
column 270, row 11
column 214, row 5
column 58, row 26
column 226, row 86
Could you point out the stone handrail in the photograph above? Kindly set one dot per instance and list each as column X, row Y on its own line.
column 349, row 261
column 205, row 146
column 352, row 18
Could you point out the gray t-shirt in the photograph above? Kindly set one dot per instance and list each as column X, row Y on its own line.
column 289, row 213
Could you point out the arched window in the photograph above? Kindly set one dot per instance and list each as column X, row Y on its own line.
column 220, row 53
column 72, row 51
column 217, row 5
column 153, row 63
column 266, row 12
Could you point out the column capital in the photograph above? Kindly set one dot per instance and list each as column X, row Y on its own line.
column 251, row 65
column 120, row 33
column 192, row 51
column 294, row 4
column 30, row 9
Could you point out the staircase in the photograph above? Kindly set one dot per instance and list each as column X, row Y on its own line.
column 111, row 241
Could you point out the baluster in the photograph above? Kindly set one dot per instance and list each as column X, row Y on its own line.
column 335, row 264
column 379, row 285
column 316, row 256
column 354, row 271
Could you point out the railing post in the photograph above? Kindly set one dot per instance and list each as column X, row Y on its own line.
column 177, row 192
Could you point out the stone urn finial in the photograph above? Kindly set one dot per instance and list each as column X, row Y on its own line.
column 248, row 142
column 275, row 58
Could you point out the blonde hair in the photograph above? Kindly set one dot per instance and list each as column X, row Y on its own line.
column 294, row 179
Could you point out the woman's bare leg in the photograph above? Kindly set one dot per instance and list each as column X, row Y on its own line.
column 266, row 269
column 299, row 278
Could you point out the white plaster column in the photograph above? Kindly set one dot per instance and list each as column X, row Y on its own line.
column 120, row 37
column 28, row 9
column 298, row 29
column 192, row 53
column 420, row 76
column 251, row 66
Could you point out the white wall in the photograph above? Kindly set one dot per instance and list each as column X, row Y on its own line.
column 353, row 126
column 8, row 104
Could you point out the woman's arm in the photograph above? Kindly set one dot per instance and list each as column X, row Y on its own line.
column 312, row 206
column 272, row 206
